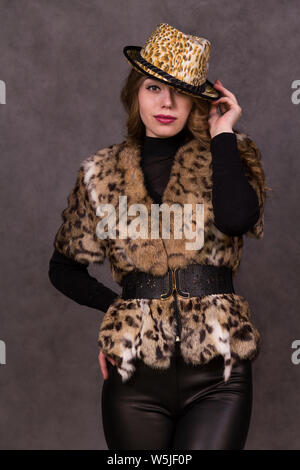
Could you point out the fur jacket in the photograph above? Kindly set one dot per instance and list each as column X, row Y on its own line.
column 146, row 328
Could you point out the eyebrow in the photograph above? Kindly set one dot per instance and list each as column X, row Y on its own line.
column 150, row 80
column 157, row 82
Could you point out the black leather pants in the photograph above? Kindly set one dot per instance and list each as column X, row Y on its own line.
column 184, row 407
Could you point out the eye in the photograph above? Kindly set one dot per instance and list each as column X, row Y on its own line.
column 175, row 90
column 151, row 86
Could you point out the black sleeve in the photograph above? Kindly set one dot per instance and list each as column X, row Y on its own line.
column 73, row 280
column 235, row 202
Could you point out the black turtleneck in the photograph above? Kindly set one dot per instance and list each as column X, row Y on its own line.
column 234, row 200
column 157, row 159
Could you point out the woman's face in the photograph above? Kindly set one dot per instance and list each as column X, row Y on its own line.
column 157, row 98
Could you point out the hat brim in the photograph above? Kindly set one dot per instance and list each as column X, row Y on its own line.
column 133, row 57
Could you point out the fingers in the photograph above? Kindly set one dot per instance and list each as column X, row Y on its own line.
column 225, row 91
column 213, row 112
column 226, row 102
column 103, row 365
column 228, row 107
column 111, row 360
column 224, row 99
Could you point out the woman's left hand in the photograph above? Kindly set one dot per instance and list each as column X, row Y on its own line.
column 230, row 109
column 102, row 362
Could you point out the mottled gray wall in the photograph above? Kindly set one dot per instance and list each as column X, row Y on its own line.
column 63, row 67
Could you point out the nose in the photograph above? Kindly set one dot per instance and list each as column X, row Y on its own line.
column 167, row 97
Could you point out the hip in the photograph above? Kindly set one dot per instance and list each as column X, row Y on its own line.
column 181, row 384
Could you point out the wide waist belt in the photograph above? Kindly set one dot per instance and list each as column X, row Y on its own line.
column 192, row 281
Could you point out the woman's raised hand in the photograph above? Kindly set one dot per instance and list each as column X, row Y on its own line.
column 230, row 111
column 103, row 366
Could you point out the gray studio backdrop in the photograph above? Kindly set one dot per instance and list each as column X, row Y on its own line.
column 61, row 70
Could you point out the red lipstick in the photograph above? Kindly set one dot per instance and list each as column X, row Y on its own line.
column 165, row 118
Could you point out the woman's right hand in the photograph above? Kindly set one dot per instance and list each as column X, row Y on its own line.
column 103, row 366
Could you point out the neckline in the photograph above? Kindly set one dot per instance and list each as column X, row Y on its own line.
column 176, row 161
column 176, row 137
column 163, row 146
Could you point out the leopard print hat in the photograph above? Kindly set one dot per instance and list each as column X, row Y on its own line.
column 178, row 59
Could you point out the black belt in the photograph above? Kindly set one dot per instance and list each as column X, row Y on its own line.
column 192, row 281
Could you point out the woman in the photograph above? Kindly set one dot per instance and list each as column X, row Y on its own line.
column 176, row 347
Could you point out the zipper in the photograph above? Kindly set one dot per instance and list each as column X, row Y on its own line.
column 178, row 324
column 177, row 313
